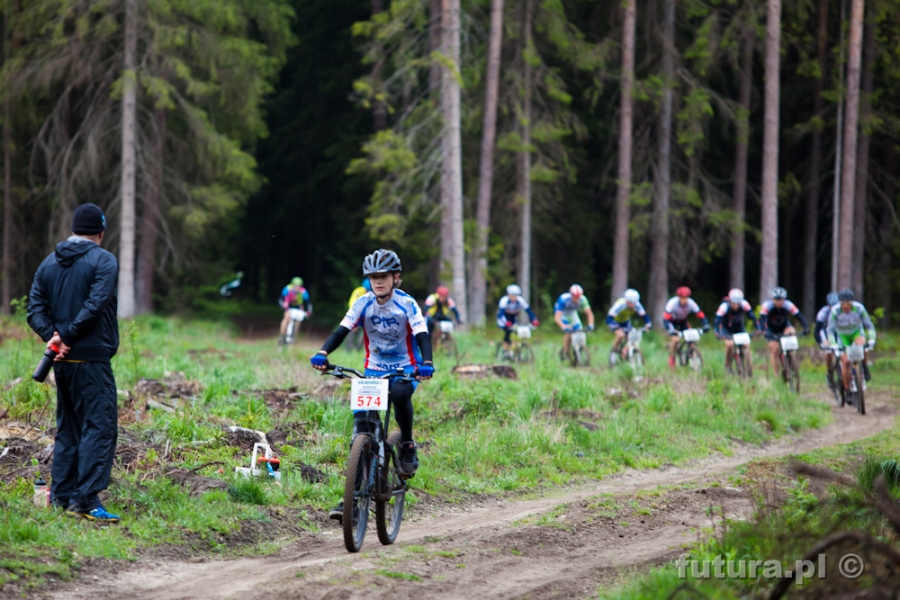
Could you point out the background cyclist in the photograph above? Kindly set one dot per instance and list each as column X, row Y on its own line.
column 438, row 307
column 396, row 337
column 294, row 295
column 566, row 315
column 508, row 310
column 730, row 318
column 822, row 337
column 675, row 318
column 618, row 319
column 845, row 325
column 775, row 320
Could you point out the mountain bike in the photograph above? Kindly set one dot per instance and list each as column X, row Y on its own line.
column 445, row 342
column 519, row 348
column 578, row 355
column 297, row 316
column 633, row 353
column 687, row 352
column 373, row 469
column 856, row 393
column 790, row 364
column 743, row 362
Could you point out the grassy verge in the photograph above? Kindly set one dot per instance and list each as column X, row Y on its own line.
column 174, row 483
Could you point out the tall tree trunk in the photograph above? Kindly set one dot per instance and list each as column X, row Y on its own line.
column 739, row 194
column 523, row 188
column 452, row 249
column 838, row 156
column 435, row 40
column 486, row 168
column 379, row 110
column 659, row 258
column 7, row 274
column 811, row 241
column 623, row 207
column 851, row 137
column 883, row 279
column 146, row 262
column 862, row 166
column 129, row 107
column 769, row 261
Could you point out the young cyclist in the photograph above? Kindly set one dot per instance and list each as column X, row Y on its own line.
column 618, row 319
column 775, row 321
column 438, row 307
column 508, row 310
column 730, row 319
column 846, row 324
column 566, row 315
column 822, row 337
column 675, row 318
column 294, row 295
column 396, row 337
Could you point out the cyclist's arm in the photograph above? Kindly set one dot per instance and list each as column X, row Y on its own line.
column 646, row 318
column 557, row 317
column 718, row 324
column 590, row 316
column 752, row 316
column 820, row 332
column 803, row 321
column 702, row 316
column 868, row 325
column 335, row 340
column 763, row 321
column 610, row 319
column 424, row 342
column 531, row 315
column 456, row 314
column 831, row 328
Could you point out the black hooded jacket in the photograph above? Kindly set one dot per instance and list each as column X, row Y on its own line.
column 74, row 293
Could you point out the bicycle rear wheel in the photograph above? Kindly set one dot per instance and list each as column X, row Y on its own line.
column 860, row 390
column 389, row 513
column 525, row 354
column 793, row 373
column 356, row 493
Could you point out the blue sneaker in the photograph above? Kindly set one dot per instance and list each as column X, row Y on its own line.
column 101, row 515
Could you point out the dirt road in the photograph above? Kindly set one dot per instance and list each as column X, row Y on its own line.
column 565, row 545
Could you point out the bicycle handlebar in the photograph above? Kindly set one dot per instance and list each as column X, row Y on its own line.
column 342, row 372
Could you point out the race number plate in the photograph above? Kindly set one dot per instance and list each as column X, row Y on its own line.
column 523, row 331
column 446, row 326
column 741, row 339
column 369, row 394
column 579, row 338
column 691, row 335
column 298, row 314
column 635, row 335
column 856, row 353
column 789, row 343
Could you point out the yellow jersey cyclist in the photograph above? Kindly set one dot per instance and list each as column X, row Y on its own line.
column 849, row 323
column 395, row 337
column 508, row 310
column 357, row 293
column 618, row 319
column 822, row 317
column 438, row 307
column 675, row 318
column 566, row 316
column 730, row 319
column 775, row 321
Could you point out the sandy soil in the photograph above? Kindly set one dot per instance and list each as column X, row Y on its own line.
column 567, row 544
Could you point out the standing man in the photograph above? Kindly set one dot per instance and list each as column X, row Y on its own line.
column 72, row 306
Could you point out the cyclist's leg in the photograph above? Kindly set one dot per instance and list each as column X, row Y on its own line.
column 845, row 341
column 284, row 323
column 830, row 366
column 772, row 337
column 567, row 343
column 729, row 352
column 621, row 342
column 507, row 338
column 861, row 340
column 672, row 329
column 401, row 397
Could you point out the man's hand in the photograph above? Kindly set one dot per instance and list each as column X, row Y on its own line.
column 426, row 371
column 62, row 347
column 590, row 327
column 535, row 323
column 319, row 361
column 509, row 324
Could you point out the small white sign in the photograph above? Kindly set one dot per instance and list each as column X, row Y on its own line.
column 298, row 314
column 446, row 326
column 523, row 331
column 741, row 339
column 691, row 335
column 369, row 394
column 789, row 343
column 856, row 353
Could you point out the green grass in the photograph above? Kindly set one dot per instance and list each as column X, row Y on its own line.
column 553, row 426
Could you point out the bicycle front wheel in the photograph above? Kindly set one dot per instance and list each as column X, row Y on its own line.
column 389, row 513
column 744, row 365
column 582, row 358
column 525, row 354
column 695, row 360
column 357, row 493
column 860, row 390
column 793, row 373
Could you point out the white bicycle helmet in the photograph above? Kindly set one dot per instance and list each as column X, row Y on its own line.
column 513, row 290
column 735, row 296
column 381, row 261
column 576, row 290
column 632, row 295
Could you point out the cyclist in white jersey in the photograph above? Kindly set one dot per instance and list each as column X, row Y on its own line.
column 508, row 310
column 394, row 336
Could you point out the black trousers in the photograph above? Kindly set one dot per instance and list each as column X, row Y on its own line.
column 87, row 427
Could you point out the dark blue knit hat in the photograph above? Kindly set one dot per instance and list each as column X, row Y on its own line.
column 88, row 220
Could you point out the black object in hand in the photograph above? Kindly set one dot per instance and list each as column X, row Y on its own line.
column 43, row 368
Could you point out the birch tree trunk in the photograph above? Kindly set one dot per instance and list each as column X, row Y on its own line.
column 811, row 242
column 851, row 137
column 739, row 193
column 768, row 277
column 486, row 169
column 659, row 257
column 452, row 249
column 146, row 261
column 857, row 282
column 623, row 208
column 129, row 106
column 523, row 187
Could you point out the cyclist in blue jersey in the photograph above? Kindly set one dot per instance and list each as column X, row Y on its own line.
column 566, row 315
column 775, row 321
column 730, row 318
column 508, row 310
column 822, row 337
column 395, row 336
column 618, row 319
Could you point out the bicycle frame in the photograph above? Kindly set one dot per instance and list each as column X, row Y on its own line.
column 634, row 341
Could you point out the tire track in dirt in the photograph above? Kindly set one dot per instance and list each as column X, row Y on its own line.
column 497, row 549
